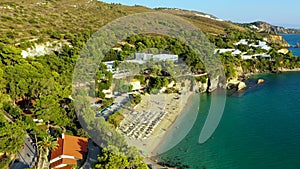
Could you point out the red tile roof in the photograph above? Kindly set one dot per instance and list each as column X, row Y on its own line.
column 70, row 146
column 59, row 150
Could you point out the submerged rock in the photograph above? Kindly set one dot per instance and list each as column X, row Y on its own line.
column 260, row 81
column 241, row 86
column 233, row 83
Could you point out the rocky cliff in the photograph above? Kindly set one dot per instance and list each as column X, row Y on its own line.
column 42, row 49
column 266, row 27
column 277, row 39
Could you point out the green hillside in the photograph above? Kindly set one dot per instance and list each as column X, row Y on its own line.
column 39, row 86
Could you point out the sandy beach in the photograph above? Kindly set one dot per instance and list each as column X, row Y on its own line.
column 152, row 144
column 173, row 105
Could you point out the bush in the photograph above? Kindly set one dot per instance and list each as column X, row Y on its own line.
column 141, row 78
column 55, row 35
column 69, row 35
column 6, row 18
column 171, row 90
column 41, row 39
column 32, row 21
column 201, row 79
column 33, row 32
column 107, row 102
column 12, row 110
column 4, row 162
column 115, row 119
column 135, row 99
column 243, row 48
column 26, row 44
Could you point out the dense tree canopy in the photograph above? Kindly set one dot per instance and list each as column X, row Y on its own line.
column 111, row 158
column 11, row 135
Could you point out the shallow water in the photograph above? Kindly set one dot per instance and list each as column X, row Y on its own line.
column 260, row 128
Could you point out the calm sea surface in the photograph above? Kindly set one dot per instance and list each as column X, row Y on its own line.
column 293, row 39
column 260, row 129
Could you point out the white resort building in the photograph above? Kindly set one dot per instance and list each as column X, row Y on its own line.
column 159, row 57
column 142, row 58
column 110, row 66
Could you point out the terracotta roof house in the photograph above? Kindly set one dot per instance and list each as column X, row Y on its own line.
column 70, row 150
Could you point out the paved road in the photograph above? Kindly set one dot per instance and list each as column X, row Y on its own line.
column 26, row 157
column 92, row 156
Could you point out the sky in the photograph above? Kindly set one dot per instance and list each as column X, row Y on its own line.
column 276, row 12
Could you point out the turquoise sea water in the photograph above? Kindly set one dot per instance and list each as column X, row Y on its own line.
column 293, row 39
column 260, row 129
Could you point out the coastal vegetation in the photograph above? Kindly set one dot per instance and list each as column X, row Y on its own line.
column 231, row 62
column 227, row 41
column 39, row 88
column 135, row 99
column 113, row 159
column 103, row 80
column 113, row 144
column 138, row 43
column 115, row 119
column 11, row 136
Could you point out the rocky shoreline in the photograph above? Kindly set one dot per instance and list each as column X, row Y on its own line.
column 237, row 83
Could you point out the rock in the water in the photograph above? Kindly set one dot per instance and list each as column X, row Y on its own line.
column 241, row 86
column 213, row 84
column 233, row 83
column 260, row 81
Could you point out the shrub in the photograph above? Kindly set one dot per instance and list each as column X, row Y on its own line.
column 135, row 99
column 26, row 44
column 6, row 18
column 115, row 119
column 34, row 32
column 4, row 162
column 32, row 21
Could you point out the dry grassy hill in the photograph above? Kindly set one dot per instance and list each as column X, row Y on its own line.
column 32, row 18
column 45, row 19
column 208, row 25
